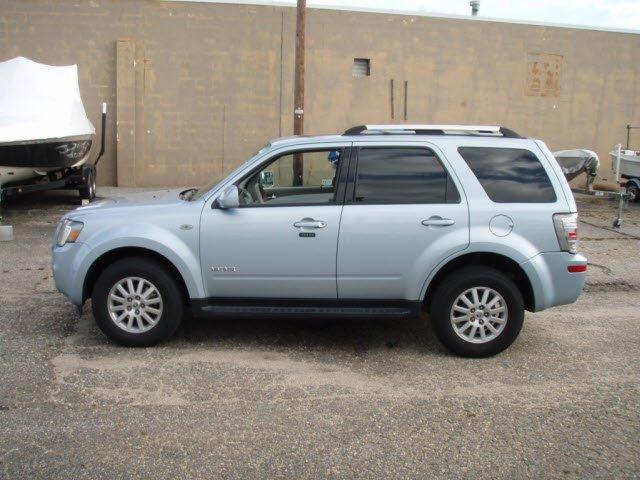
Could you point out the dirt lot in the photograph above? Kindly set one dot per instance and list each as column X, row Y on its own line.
column 330, row 399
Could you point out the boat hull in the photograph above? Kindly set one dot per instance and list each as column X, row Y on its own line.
column 21, row 161
column 629, row 163
column 17, row 175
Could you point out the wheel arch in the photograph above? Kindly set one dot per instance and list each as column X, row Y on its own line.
column 488, row 259
column 635, row 181
column 111, row 256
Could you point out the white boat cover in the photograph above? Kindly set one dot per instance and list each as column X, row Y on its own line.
column 574, row 162
column 40, row 102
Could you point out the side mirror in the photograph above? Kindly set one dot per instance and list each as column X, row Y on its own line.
column 228, row 198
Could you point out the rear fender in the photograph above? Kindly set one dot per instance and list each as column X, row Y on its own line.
column 517, row 256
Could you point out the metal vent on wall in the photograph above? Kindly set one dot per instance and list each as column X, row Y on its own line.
column 361, row 67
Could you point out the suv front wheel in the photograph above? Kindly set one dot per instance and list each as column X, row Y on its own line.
column 137, row 302
column 477, row 312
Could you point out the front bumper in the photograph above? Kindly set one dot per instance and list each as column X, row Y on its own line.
column 551, row 280
column 66, row 266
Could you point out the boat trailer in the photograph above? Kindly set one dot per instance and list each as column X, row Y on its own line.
column 578, row 161
column 623, row 195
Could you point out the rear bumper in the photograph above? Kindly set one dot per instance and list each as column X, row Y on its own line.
column 551, row 280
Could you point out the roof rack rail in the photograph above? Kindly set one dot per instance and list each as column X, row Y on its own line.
column 481, row 130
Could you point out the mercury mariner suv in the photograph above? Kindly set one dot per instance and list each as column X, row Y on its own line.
column 472, row 224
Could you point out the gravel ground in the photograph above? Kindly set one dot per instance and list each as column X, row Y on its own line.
column 318, row 399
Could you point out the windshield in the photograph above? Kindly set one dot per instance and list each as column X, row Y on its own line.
column 200, row 192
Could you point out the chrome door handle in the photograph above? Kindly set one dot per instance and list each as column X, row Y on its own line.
column 438, row 221
column 310, row 223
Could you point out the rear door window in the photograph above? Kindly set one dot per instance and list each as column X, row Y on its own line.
column 402, row 175
column 509, row 175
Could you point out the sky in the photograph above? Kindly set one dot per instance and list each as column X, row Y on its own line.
column 600, row 13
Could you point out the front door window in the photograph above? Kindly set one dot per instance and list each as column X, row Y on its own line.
column 298, row 178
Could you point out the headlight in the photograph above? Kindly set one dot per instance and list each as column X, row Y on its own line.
column 68, row 232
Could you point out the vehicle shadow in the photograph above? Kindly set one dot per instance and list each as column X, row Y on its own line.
column 330, row 335
column 40, row 203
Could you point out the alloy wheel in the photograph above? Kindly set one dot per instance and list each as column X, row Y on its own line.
column 135, row 304
column 479, row 315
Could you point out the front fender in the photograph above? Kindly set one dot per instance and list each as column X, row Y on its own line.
column 180, row 248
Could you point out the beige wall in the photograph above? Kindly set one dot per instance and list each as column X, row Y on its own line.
column 197, row 87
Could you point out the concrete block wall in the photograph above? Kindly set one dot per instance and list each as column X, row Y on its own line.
column 194, row 88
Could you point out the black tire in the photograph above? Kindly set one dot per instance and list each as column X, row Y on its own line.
column 462, row 280
column 88, row 189
column 169, row 291
column 632, row 190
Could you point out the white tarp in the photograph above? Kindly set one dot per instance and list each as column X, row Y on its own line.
column 575, row 162
column 40, row 102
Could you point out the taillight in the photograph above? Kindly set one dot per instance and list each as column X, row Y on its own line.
column 576, row 268
column 566, row 225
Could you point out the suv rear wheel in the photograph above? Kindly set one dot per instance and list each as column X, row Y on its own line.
column 477, row 312
column 136, row 302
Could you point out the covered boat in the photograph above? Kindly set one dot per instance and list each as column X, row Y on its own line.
column 43, row 124
column 575, row 162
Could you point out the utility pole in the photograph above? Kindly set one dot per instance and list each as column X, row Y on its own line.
column 298, row 99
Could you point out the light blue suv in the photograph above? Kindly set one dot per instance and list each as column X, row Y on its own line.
column 474, row 224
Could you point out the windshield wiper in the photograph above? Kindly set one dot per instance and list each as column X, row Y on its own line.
column 188, row 193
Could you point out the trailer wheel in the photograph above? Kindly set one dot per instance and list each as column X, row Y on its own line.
column 632, row 190
column 88, row 189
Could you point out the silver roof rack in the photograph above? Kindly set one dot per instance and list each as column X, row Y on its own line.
column 483, row 130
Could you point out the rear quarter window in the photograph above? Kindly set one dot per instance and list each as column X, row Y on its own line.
column 509, row 175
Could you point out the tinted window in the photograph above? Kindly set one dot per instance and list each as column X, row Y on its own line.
column 509, row 175
column 402, row 175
